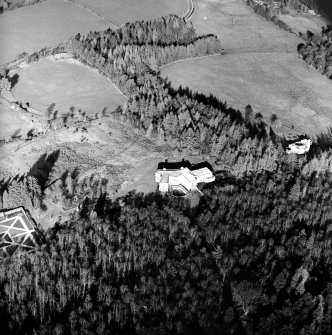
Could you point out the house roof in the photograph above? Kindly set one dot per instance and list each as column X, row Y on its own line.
column 185, row 164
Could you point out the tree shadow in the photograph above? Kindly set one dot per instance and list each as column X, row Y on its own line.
column 210, row 100
column 13, row 80
column 43, row 167
column 324, row 140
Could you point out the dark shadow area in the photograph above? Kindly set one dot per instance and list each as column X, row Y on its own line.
column 324, row 140
column 13, row 80
column 100, row 205
column 209, row 100
column 43, row 167
column 183, row 164
column 325, row 8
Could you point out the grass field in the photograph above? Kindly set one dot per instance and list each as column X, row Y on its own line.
column 303, row 22
column 12, row 121
column 263, row 69
column 49, row 23
column 121, row 11
column 239, row 28
column 276, row 83
column 45, row 24
column 66, row 83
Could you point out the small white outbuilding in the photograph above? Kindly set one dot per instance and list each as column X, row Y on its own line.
column 299, row 147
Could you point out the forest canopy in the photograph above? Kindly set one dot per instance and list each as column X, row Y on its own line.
column 253, row 257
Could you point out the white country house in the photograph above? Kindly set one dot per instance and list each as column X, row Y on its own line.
column 182, row 178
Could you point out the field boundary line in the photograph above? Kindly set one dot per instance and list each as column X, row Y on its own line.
column 190, row 58
column 92, row 12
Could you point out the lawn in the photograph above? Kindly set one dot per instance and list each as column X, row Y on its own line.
column 65, row 82
column 277, row 83
column 121, row 11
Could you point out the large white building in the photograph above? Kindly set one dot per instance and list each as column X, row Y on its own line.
column 182, row 178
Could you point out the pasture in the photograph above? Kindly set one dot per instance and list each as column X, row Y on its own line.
column 303, row 22
column 239, row 28
column 65, row 82
column 277, row 83
column 122, row 11
column 260, row 67
column 45, row 24
column 51, row 22
column 17, row 122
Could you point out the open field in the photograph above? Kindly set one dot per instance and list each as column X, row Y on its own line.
column 46, row 24
column 303, row 22
column 278, row 83
column 121, row 11
column 49, row 23
column 260, row 67
column 12, row 121
column 239, row 28
column 111, row 150
column 65, row 82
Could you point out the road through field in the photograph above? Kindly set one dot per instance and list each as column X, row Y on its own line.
column 259, row 66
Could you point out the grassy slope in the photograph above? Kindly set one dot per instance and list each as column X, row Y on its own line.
column 256, row 70
column 303, row 22
column 48, row 23
column 11, row 121
column 123, row 11
column 45, row 24
column 66, row 83
column 112, row 150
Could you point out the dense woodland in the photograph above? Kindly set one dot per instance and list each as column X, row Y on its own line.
column 317, row 51
column 254, row 257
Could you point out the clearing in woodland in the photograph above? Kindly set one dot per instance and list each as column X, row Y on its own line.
column 260, row 67
column 106, row 149
column 65, row 82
